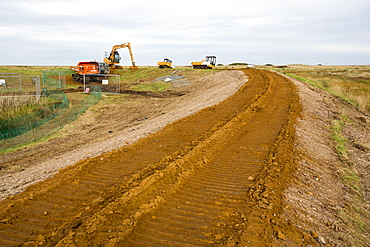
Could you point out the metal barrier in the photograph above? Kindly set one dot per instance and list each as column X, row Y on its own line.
column 46, row 120
column 53, row 79
column 29, row 114
column 16, row 83
column 108, row 84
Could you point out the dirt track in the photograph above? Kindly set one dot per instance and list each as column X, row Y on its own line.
column 214, row 178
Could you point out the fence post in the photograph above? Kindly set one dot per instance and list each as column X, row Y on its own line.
column 38, row 88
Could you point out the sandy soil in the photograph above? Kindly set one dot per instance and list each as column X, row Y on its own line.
column 120, row 122
column 317, row 200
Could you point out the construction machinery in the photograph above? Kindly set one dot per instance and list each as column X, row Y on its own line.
column 114, row 58
column 167, row 63
column 92, row 71
column 209, row 63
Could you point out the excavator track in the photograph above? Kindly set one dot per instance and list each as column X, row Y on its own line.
column 89, row 78
column 213, row 178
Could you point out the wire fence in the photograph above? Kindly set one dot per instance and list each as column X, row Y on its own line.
column 109, row 83
column 29, row 114
column 11, row 83
column 53, row 79
column 39, row 124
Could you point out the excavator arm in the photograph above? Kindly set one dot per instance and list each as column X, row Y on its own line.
column 113, row 60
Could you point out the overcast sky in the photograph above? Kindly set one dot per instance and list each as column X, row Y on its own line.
column 63, row 32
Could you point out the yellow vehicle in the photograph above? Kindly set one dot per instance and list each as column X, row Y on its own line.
column 114, row 58
column 167, row 63
column 209, row 63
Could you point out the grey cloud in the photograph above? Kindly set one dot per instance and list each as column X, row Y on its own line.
column 254, row 32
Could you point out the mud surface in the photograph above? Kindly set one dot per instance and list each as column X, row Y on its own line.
column 221, row 177
column 191, row 179
column 112, row 123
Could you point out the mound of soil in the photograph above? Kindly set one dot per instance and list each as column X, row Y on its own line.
column 328, row 196
column 112, row 123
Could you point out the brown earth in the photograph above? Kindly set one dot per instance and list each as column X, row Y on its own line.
column 258, row 169
column 111, row 124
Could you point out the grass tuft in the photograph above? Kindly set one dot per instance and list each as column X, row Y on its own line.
column 351, row 83
column 339, row 139
column 157, row 86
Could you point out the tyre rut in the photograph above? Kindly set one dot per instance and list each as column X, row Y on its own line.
column 205, row 211
column 185, row 185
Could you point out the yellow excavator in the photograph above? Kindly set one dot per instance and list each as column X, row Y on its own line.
column 167, row 63
column 114, row 58
column 209, row 63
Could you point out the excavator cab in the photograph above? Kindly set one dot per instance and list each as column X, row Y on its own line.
column 117, row 58
column 113, row 60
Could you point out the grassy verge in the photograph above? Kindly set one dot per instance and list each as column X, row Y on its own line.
column 351, row 83
column 339, row 139
column 20, row 114
column 33, row 70
column 354, row 215
column 142, row 79
column 157, row 86
column 349, row 174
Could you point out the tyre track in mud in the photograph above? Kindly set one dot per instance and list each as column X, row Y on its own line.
column 186, row 185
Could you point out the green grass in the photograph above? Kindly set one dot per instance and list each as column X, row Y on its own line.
column 350, row 178
column 356, row 225
column 13, row 106
column 339, row 139
column 158, row 86
column 354, row 216
column 142, row 74
column 147, row 75
column 351, row 83
column 33, row 70
column 311, row 82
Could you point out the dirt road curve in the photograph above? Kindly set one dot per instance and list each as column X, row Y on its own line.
column 214, row 178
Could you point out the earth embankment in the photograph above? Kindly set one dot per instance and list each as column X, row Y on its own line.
column 213, row 178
